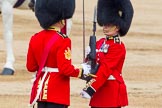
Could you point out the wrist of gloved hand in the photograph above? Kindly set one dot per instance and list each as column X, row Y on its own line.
column 87, row 92
column 85, row 77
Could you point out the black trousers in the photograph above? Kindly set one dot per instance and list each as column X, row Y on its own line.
column 105, row 107
column 50, row 105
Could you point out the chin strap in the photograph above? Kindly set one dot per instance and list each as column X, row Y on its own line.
column 67, row 28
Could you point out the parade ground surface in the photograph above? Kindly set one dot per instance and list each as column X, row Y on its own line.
column 142, row 69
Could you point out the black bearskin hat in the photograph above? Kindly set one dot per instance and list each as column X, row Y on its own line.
column 117, row 12
column 49, row 12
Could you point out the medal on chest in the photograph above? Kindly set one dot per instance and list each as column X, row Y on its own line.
column 104, row 48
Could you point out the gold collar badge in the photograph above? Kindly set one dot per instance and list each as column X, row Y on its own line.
column 68, row 54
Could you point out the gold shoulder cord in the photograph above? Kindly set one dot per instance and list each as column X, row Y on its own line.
column 58, row 31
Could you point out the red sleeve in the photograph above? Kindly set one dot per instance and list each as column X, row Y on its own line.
column 64, row 59
column 31, row 63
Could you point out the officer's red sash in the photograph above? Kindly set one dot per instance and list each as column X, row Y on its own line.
column 39, row 73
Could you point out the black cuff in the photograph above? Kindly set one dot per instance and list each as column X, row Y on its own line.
column 90, row 91
column 81, row 75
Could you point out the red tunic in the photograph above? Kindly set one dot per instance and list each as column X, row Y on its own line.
column 56, row 87
column 109, row 93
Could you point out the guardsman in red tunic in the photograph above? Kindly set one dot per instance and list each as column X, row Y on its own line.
column 55, row 86
column 108, row 89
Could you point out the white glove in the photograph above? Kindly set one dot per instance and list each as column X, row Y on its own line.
column 87, row 50
column 85, row 95
column 86, row 68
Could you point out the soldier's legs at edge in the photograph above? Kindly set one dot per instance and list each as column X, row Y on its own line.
column 105, row 107
column 50, row 105
column 41, row 104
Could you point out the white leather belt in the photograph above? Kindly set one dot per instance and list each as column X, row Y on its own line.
column 49, row 69
column 111, row 77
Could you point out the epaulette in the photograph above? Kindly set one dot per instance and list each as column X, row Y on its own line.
column 115, row 38
column 63, row 35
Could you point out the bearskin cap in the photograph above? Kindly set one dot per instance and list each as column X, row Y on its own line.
column 117, row 12
column 49, row 12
